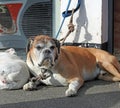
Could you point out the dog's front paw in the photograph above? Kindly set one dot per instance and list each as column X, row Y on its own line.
column 29, row 86
column 70, row 92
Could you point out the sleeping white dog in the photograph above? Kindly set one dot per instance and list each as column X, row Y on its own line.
column 14, row 72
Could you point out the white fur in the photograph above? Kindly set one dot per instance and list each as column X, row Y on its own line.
column 13, row 71
column 40, row 53
column 73, row 88
column 56, row 80
column 90, row 75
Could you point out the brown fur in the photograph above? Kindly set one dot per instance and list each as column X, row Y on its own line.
column 107, row 62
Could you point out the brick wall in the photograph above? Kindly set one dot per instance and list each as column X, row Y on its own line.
column 117, row 26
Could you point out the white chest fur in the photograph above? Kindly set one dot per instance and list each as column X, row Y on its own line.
column 90, row 75
column 56, row 80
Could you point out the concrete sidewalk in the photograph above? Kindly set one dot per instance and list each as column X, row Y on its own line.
column 94, row 94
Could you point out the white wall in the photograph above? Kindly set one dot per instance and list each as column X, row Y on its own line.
column 88, row 21
column 56, row 16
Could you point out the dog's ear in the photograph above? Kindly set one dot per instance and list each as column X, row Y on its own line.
column 29, row 44
column 57, row 42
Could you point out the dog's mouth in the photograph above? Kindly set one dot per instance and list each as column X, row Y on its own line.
column 47, row 61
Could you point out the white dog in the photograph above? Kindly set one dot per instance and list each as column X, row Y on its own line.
column 14, row 72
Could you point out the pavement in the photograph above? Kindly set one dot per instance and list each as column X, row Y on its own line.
column 94, row 94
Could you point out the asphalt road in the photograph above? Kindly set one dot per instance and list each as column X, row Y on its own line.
column 94, row 94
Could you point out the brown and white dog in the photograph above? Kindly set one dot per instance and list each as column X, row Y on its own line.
column 68, row 65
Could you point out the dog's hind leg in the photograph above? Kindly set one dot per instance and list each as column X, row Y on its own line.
column 116, row 64
column 110, row 68
column 108, row 77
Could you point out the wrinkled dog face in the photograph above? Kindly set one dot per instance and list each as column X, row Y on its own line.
column 45, row 50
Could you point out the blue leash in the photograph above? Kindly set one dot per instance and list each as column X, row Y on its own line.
column 67, row 13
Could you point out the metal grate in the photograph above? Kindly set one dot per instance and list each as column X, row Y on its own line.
column 37, row 19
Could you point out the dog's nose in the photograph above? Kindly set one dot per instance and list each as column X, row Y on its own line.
column 47, row 51
column 39, row 65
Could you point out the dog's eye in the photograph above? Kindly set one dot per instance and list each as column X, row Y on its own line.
column 38, row 47
column 52, row 47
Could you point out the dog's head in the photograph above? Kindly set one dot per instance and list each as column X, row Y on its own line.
column 44, row 49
